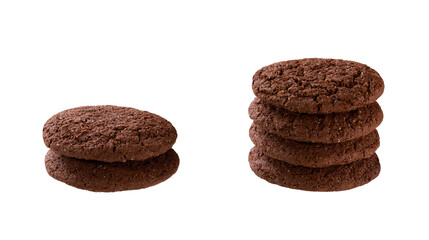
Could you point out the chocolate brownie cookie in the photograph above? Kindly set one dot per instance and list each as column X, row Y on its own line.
column 314, row 155
column 108, row 133
column 316, row 85
column 323, row 128
column 110, row 177
column 334, row 178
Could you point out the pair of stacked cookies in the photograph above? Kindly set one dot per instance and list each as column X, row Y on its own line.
column 110, row 148
column 314, row 124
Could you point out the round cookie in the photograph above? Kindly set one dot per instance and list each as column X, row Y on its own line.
column 318, row 86
column 108, row 133
column 334, row 178
column 322, row 128
column 110, row 177
column 316, row 155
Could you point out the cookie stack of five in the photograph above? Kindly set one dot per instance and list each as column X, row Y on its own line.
column 109, row 148
column 314, row 124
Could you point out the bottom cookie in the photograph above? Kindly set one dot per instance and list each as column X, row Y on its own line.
column 334, row 178
column 110, row 177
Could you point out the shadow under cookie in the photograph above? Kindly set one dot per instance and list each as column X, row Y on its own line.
column 110, row 177
column 314, row 155
column 334, row 178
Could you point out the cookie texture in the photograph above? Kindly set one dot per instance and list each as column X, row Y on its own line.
column 318, row 86
column 334, row 178
column 323, row 128
column 108, row 133
column 316, row 155
column 110, row 177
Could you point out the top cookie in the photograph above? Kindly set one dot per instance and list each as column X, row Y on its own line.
column 318, row 86
column 108, row 133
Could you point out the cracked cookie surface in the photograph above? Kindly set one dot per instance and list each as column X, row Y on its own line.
column 318, row 86
column 334, row 178
column 108, row 133
column 110, row 177
column 322, row 128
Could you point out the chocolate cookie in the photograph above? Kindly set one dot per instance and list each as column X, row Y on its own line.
column 317, row 85
column 323, row 128
column 108, row 133
column 314, row 155
column 110, row 177
column 334, row 178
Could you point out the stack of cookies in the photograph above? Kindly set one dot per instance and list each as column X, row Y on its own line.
column 109, row 148
column 314, row 124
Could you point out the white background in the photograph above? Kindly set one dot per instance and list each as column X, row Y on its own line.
column 192, row 62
